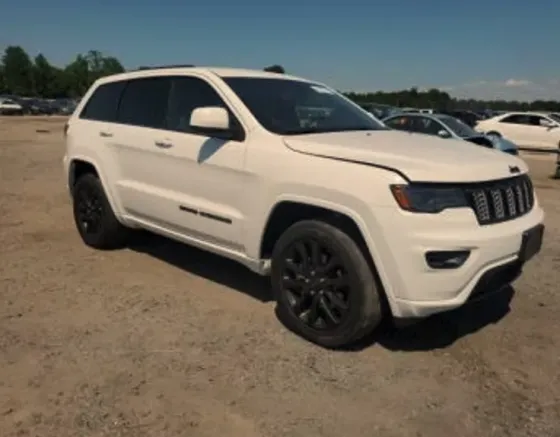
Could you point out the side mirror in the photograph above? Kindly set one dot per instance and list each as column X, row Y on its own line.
column 443, row 134
column 547, row 124
column 210, row 118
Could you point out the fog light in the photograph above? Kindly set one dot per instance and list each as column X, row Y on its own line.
column 447, row 259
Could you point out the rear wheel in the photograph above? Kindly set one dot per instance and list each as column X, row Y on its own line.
column 94, row 217
column 324, row 287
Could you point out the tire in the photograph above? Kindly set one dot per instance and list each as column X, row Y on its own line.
column 360, row 292
column 94, row 218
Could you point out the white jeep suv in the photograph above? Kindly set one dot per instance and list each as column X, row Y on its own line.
column 353, row 221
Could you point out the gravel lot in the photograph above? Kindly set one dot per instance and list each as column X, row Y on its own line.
column 164, row 340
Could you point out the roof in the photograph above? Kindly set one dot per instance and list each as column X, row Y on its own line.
column 218, row 71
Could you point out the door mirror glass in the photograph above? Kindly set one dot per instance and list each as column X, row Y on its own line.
column 443, row 134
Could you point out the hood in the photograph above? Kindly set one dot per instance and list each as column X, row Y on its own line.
column 421, row 158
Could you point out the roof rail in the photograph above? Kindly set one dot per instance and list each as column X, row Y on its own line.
column 156, row 67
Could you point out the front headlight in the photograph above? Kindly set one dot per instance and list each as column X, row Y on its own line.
column 428, row 199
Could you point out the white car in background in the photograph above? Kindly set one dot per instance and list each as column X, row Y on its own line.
column 10, row 107
column 526, row 129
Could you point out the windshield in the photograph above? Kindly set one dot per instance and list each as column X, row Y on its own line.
column 555, row 117
column 460, row 129
column 292, row 107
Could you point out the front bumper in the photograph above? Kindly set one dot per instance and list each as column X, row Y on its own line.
column 415, row 290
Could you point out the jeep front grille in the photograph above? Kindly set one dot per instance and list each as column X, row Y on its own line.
column 499, row 201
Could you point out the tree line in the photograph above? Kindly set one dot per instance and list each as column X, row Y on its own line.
column 21, row 75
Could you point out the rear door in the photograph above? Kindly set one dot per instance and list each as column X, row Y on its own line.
column 90, row 131
column 137, row 144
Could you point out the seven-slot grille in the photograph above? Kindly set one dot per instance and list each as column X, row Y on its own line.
column 499, row 201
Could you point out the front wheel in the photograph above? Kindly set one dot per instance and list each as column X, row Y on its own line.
column 324, row 287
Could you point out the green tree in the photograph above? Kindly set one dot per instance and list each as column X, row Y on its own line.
column 2, row 83
column 18, row 71
column 100, row 66
column 77, row 76
column 43, row 76
column 19, row 75
column 111, row 65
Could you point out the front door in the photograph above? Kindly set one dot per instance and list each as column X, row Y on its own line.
column 205, row 179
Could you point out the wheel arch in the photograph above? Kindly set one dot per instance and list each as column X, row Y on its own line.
column 80, row 165
column 289, row 210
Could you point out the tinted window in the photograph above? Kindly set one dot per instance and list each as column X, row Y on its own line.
column 516, row 119
column 187, row 94
column 292, row 107
column 426, row 125
column 535, row 120
column 144, row 102
column 399, row 123
column 458, row 127
column 103, row 104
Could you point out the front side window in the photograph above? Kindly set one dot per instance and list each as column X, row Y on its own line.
column 103, row 104
column 428, row 126
column 292, row 107
column 399, row 123
column 187, row 94
column 516, row 119
column 459, row 127
column 541, row 121
column 144, row 102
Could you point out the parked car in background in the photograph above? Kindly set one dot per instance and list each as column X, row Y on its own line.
column 10, row 107
column 41, row 107
column 527, row 129
column 445, row 126
column 380, row 110
column 468, row 117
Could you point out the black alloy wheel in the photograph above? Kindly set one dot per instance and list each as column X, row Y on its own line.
column 325, row 290
column 316, row 284
column 89, row 210
column 94, row 217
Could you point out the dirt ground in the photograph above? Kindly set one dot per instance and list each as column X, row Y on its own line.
column 164, row 340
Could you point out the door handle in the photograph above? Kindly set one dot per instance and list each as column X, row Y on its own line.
column 105, row 134
column 163, row 144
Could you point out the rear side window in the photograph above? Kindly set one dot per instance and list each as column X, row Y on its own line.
column 144, row 102
column 103, row 104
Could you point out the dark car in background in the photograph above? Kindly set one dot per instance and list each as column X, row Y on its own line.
column 446, row 126
column 380, row 110
column 65, row 106
column 41, row 107
column 470, row 118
